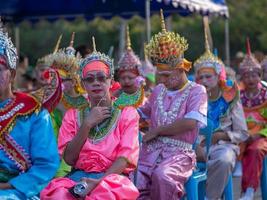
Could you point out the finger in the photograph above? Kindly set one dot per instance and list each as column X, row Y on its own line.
column 106, row 116
column 105, row 108
column 106, row 112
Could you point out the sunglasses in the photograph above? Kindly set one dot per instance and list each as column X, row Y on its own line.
column 100, row 77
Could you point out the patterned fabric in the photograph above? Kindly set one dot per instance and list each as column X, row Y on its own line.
column 34, row 133
column 122, row 141
column 256, row 112
column 216, row 109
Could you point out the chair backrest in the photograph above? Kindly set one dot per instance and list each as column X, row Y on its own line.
column 207, row 133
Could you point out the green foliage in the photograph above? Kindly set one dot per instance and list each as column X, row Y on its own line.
column 247, row 18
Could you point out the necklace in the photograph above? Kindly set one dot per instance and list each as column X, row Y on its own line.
column 252, row 96
column 100, row 131
column 74, row 102
column 135, row 99
column 167, row 117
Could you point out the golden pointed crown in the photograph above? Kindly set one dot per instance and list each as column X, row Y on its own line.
column 47, row 60
column 97, row 56
column 65, row 61
column 129, row 60
column 208, row 59
column 166, row 48
column 249, row 63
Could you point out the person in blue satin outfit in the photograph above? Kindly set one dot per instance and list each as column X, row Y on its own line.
column 28, row 152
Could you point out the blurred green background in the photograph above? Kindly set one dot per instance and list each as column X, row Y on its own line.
column 247, row 18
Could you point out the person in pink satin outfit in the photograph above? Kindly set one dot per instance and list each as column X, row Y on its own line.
column 99, row 142
column 177, row 109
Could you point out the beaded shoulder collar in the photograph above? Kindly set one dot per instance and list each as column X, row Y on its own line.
column 22, row 105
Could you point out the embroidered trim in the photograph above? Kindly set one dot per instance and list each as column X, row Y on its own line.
column 28, row 105
column 78, row 102
column 15, row 152
column 167, row 117
column 134, row 100
column 111, row 124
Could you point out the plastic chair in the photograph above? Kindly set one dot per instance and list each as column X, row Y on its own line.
column 199, row 175
column 228, row 190
column 195, row 186
column 264, row 180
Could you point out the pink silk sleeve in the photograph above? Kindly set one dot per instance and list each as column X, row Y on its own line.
column 145, row 110
column 129, row 143
column 197, row 105
column 67, row 130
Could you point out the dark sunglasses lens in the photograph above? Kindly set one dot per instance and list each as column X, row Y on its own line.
column 89, row 79
column 101, row 78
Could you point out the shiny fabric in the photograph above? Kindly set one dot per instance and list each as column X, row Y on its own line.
column 252, row 163
column 222, row 156
column 253, row 152
column 35, row 134
column 122, row 141
column 216, row 109
column 163, row 171
column 195, row 102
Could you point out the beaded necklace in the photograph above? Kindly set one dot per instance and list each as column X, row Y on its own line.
column 135, row 99
column 74, row 102
column 103, row 129
column 167, row 117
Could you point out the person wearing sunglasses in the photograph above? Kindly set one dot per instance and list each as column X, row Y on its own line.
column 100, row 142
column 176, row 109
column 28, row 152
column 132, row 91
column 227, row 117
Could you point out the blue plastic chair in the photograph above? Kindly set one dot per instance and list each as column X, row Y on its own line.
column 195, row 186
column 228, row 190
column 199, row 175
column 264, row 180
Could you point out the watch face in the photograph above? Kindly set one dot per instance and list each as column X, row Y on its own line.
column 80, row 188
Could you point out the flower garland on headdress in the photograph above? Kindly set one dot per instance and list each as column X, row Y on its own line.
column 166, row 49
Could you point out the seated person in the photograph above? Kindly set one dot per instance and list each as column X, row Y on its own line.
column 100, row 142
column 28, row 152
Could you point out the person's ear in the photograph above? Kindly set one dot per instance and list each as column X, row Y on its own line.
column 13, row 74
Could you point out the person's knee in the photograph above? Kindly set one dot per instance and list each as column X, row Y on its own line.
column 226, row 160
column 159, row 176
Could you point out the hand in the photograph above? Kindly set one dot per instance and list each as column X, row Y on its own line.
column 5, row 186
column 150, row 135
column 96, row 116
column 217, row 136
column 92, row 183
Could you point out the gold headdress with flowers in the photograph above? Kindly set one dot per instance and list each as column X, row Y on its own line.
column 249, row 62
column 129, row 60
column 166, row 49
